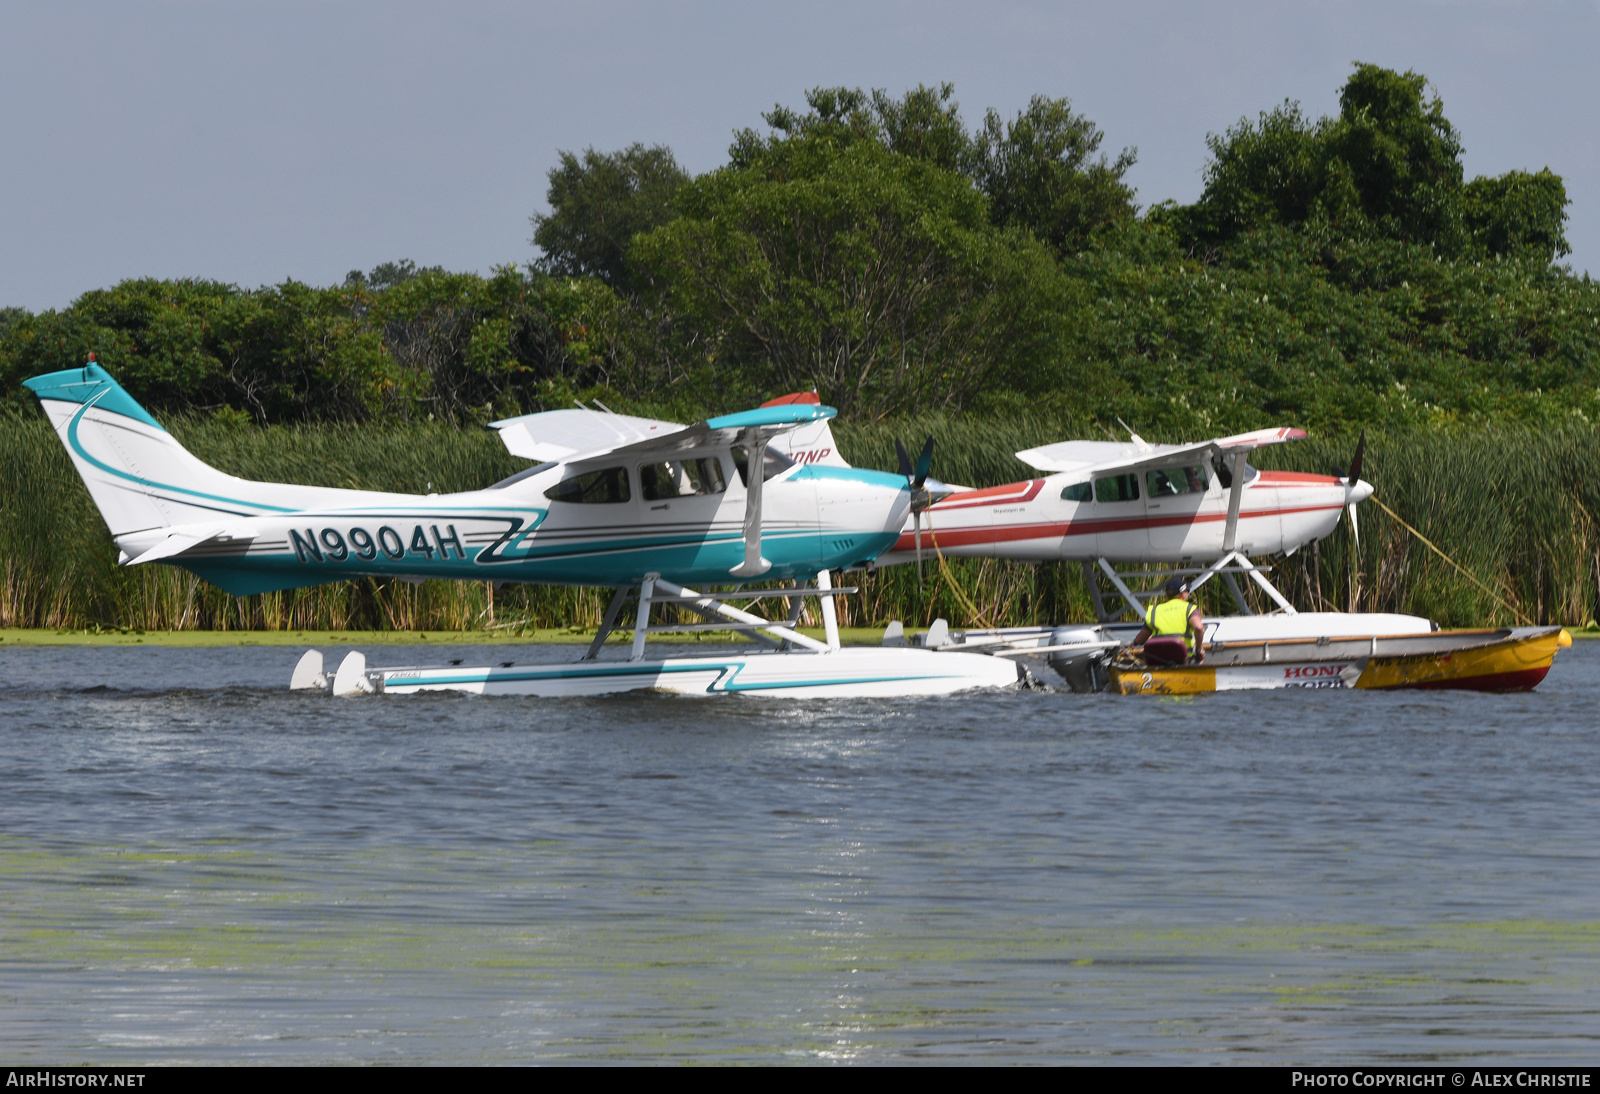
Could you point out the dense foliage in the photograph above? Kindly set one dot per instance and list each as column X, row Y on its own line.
column 1335, row 272
column 428, row 344
column 1517, row 509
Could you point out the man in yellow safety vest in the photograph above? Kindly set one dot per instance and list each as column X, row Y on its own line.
column 1173, row 629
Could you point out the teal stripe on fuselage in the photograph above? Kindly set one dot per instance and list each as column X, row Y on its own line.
column 243, row 508
column 606, row 562
column 850, row 474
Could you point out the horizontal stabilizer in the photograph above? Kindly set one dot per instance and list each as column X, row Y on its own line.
column 180, row 540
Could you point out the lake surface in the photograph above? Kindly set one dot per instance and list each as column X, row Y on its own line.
column 197, row 866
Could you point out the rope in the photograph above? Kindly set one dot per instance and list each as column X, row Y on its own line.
column 1431, row 546
column 950, row 580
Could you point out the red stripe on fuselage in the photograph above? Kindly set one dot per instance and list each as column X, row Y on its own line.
column 1011, row 533
column 1011, row 492
column 1297, row 478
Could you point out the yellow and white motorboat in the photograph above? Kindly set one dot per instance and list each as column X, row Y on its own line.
column 1502, row 659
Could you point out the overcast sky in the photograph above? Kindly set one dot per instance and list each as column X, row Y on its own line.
column 251, row 143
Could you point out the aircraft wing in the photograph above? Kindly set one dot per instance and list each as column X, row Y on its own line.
column 1261, row 437
column 1114, row 456
column 764, row 422
column 564, row 434
column 1102, row 455
column 581, row 436
column 810, row 442
column 182, row 537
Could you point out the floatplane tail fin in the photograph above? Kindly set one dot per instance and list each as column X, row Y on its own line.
column 139, row 476
column 812, row 442
column 157, row 498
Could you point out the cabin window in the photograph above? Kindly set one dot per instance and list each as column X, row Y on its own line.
column 774, row 463
column 1169, row 482
column 604, row 487
column 1225, row 477
column 1117, row 488
column 681, row 478
column 1078, row 491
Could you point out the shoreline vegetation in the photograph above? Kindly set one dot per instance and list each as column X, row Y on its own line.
column 1513, row 506
column 15, row 637
column 996, row 285
column 18, row 637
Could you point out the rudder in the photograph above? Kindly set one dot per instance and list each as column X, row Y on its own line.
column 139, row 476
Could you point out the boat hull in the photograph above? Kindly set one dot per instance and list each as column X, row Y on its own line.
column 1511, row 659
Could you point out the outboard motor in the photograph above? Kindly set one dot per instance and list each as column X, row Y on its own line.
column 1084, row 669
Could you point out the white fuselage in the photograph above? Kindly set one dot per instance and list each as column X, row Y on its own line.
column 1065, row 516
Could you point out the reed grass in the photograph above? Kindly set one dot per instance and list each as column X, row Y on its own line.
column 1515, row 507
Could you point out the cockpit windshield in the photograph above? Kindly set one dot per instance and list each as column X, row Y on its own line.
column 1225, row 477
column 775, row 463
column 524, row 474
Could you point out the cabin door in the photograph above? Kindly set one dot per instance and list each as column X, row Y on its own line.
column 1118, row 515
column 683, row 507
column 1173, row 498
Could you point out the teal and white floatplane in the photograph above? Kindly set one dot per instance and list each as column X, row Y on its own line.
column 651, row 508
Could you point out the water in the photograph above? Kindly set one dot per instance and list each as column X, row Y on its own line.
column 198, row 866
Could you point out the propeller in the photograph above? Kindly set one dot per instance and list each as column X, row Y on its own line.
column 916, row 481
column 1350, row 479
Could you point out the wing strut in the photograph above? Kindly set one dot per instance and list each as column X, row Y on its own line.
column 755, row 447
column 1230, row 534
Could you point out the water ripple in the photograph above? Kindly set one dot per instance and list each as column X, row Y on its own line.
column 199, row 866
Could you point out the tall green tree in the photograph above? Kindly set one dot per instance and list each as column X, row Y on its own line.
column 925, row 124
column 833, row 262
column 1388, row 167
column 1518, row 213
column 1399, row 156
column 598, row 203
column 1041, row 172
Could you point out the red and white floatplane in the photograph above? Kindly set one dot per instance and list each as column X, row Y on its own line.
column 1200, row 510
